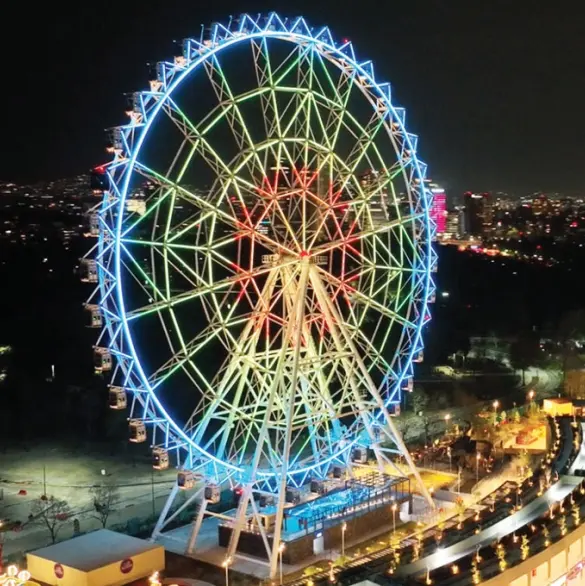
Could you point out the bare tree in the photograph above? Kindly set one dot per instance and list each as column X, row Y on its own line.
column 104, row 496
column 52, row 513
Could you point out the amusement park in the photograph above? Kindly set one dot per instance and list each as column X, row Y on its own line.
column 261, row 281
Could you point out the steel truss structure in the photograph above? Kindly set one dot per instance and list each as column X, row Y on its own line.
column 264, row 254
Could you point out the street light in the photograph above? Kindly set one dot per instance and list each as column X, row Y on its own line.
column 280, row 550
column 394, row 507
column 343, row 530
column 449, row 454
column 495, row 405
column 226, row 564
column 477, row 459
column 14, row 575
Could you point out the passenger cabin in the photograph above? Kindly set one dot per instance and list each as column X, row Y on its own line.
column 88, row 270
column 293, row 495
column 407, row 384
column 117, row 398
column 359, row 455
column 94, row 224
column 185, row 479
column 102, row 359
column 95, row 316
column 137, row 431
column 212, row 493
column 160, row 459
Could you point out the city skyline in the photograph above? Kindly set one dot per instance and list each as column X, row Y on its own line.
column 475, row 85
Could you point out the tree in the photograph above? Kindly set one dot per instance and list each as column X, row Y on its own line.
column 501, row 555
column 525, row 547
column 52, row 513
column 104, row 496
column 420, row 399
column 571, row 327
column 524, row 353
column 475, row 571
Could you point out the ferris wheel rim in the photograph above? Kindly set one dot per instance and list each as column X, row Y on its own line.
column 159, row 408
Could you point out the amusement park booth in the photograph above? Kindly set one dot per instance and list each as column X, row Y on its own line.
column 557, row 406
column 101, row 558
column 319, row 513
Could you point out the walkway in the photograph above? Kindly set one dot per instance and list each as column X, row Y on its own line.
column 526, row 515
column 579, row 463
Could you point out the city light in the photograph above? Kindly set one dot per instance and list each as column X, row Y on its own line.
column 13, row 576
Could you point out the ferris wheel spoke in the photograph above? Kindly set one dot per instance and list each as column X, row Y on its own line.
column 199, row 200
column 196, row 138
column 361, row 297
column 360, row 204
column 336, row 118
column 264, row 77
column 130, row 224
column 179, row 359
column 204, row 289
column 140, row 276
column 364, row 235
column 233, row 114
column 236, row 371
column 365, row 140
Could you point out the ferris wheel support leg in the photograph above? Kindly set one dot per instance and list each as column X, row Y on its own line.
column 196, row 526
column 296, row 321
column 239, row 521
column 165, row 511
column 335, row 327
column 323, row 386
column 329, row 308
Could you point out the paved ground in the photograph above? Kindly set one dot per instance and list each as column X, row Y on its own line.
column 68, row 474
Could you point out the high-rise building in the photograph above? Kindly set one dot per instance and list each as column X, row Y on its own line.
column 478, row 213
column 439, row 208
column 455, row 225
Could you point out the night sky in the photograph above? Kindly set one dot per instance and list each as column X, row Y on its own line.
column 496, row 90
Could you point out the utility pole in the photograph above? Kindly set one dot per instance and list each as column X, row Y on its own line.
column 152, row 490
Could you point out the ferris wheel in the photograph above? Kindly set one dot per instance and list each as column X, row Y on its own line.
column 264, row 265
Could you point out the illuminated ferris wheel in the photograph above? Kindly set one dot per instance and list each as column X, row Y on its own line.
column 264, row 265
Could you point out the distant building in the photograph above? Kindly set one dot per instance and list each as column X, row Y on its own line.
column 439, row 209
column 455, row 224
column 478, row 213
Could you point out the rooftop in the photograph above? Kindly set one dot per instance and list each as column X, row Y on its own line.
column 94, row 550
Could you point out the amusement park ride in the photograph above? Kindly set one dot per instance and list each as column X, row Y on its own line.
column 264, row 265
